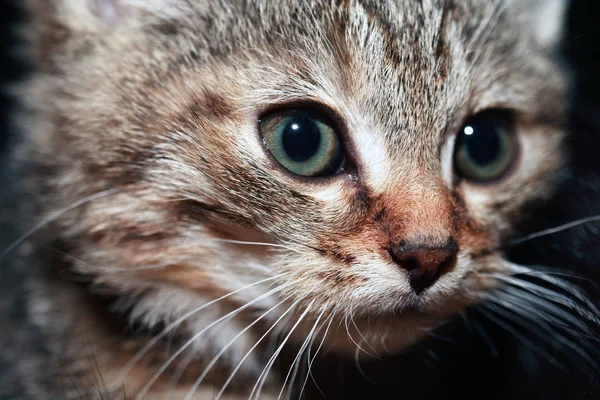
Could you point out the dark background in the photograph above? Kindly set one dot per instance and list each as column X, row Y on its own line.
column 468, row 371
column 12, row 66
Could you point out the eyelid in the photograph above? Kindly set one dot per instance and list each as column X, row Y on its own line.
column 351, row 170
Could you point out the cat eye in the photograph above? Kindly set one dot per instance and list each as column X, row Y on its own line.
column 486, row 146
column 303, row 141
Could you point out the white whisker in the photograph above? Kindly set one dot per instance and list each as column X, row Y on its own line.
column 184, row 364
column 263, row 376
column 358, row 367
column 295, row 363
column 363, row 337
column 176, row 354
column 309, row 374
column 510, row 329
column 552, row 278
column 556, row 297
column 243, row 242
column 556, row 229
column 519, row 308
column 254, row 347
column 138, row 356
column 548, row 305
column 352, row 339
column 54, row 216
column 224, row 349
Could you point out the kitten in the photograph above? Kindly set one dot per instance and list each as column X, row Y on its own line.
column 221, row 183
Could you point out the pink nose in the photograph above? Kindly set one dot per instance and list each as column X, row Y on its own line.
column 424, row 261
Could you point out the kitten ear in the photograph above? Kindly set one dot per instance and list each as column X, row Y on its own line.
column 549, row 21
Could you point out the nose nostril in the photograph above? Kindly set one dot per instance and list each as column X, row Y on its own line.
column 423, row 278
column 410, row 264
column 425, row 263
column 407, row 263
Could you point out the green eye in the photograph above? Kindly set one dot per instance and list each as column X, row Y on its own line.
column 303, row 142
column 486, row 146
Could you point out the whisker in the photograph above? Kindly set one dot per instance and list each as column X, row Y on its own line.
column 358, row 366
column 510, row 329
column 551, row 294
column 354, row 341
column 184, row 364
column 548, row 272
column 309, row 374
column 300, row 351
column 550, row 276
column 363, row 337
column 305, row 368
column 557, row 229
column 243, row 242
column 358, row 349
column 197, row 335
column 254, row 347
column 138, row 356
column 434, row 357
column 546, row 305
column 224, row 349
column 518, row 309
column 263, row 376
column 55, row 216
column 488, row 340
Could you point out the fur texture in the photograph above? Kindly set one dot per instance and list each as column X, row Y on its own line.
column 155, row 190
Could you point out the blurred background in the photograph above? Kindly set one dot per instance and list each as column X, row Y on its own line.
column 523, row 374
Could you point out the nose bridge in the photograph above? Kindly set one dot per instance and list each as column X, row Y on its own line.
column 420, row 207
column 431, row 213
column 421, row 232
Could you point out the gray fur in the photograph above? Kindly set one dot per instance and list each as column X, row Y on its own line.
column 149, row 109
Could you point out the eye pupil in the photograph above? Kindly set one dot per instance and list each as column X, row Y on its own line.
column 301, row 139
column 485, row 147
column 482, row 144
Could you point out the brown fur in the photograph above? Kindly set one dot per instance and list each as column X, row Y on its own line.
column 160, row 108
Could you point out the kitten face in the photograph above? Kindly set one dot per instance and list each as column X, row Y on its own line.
column 169, row 114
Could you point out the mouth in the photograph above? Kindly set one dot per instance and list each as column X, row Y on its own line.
column 367, row 336
column 376, row 334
